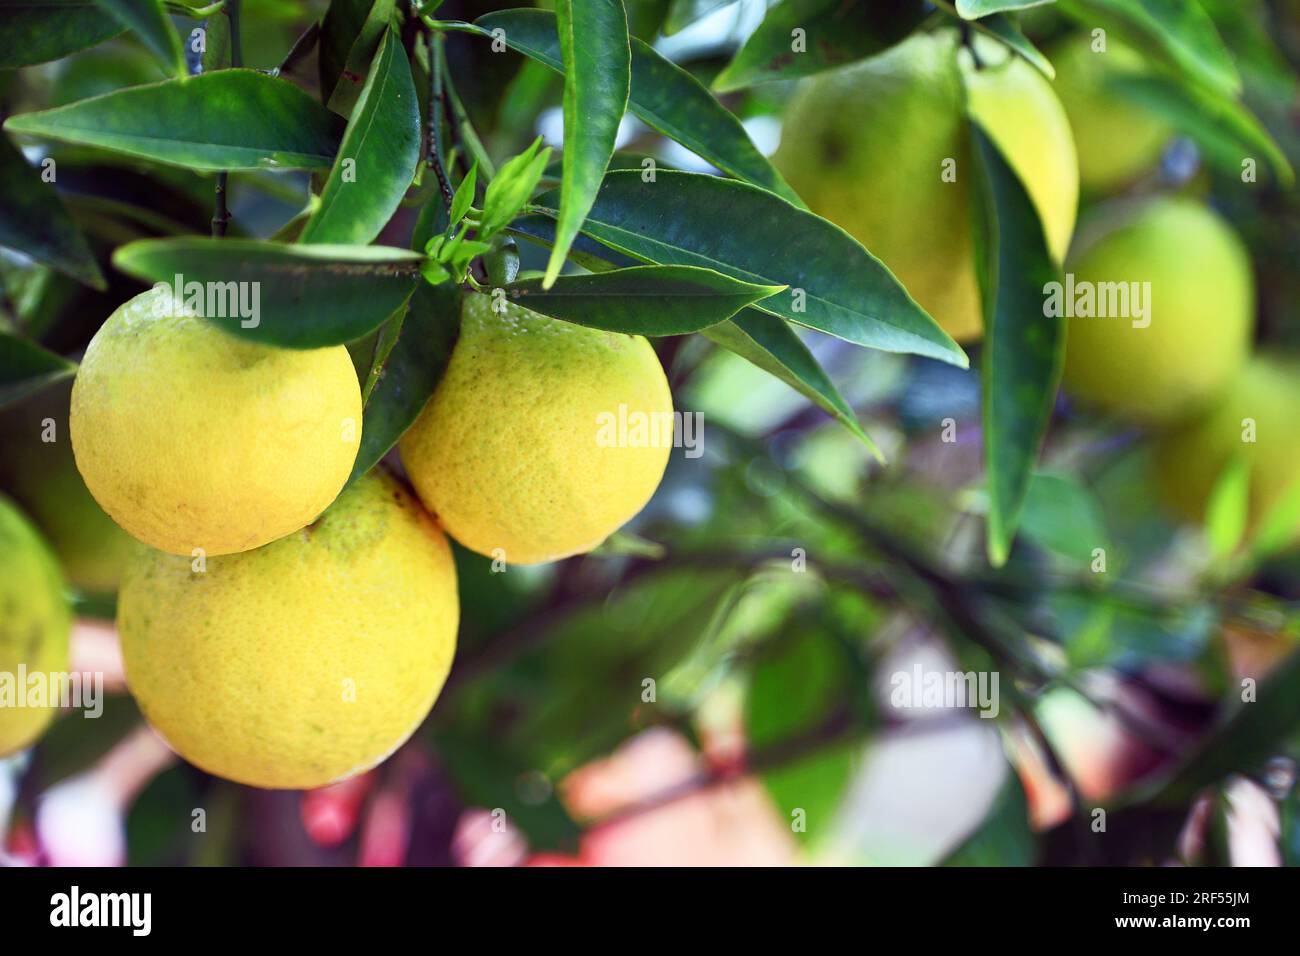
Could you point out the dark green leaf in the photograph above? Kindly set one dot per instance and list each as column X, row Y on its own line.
column 37, row 31
column 216, row 44
column 1005, row 30
column 768, row 342
column 306, row 296
column 1024, row 348
column 25, row 368
column 974, row 9
column 597, row 57
column 1004, row 838
column 662, row 94
column 835, row 33
column 232, row 119
column 34, row 222
column 409, row 372
column 150, row 23
column 685, row 12
column 345, row 92
column 642, row 300
column 745, row 232
column 377, row 158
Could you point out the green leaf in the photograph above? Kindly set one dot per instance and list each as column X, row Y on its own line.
column 37, row 31
column 1177, row 32
column 306, row 296
column 835, row 33
column 25, row 368
column 1227, row 513
column 1003, row 29
column 464, row 197
column 769, row 343
column 216, row 44
column 685, row 12
column 407, row 375
column 1024, row 349
column 974, row 9
column 1062, row 515
column 1004, row 838
column 377, row 158
column 150, row 23
column 642, row 300
column 510, row 189
column 350, row 33
column 663, row 95
column 836, row 286
column 34, row 222
column 1226, row 131
column 232, row 119
column 347, row 90
column 597, row 73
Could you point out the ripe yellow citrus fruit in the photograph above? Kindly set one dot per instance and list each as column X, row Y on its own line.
column 543, row 437
column 1117, row 139
column 882, row 148
column 191, row 438
column 35, row 621
column 1255, row 421
column 38, row 470
column 302, row 662
column 1197, row 332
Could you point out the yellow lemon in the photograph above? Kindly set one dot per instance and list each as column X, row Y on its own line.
column 35, row 621
column 302, row 662
column 191, row 438
column 882, row 149
column 1177, row 261
column 38, row 469
column 543, row 437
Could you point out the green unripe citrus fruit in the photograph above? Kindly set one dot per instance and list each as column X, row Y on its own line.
column 38, row 470
column 1254, row 420
column 1158, row 368
column 302, row 662
column 192, row 438
column 882, row 148
column 522, row 452
column 35, row 621
column 1117, row 140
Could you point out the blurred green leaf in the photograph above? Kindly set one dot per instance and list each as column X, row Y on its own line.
column 231, row 119
column 37, row 31
column 377, row 158
column 1003, row 29
column 149, row 21
column 683, row 13
column 1062, row 515
column 836, row 286
column 1228, row 510
column 1004, row 838
column 25, row 368
column 1024, row 348
column 974, row 9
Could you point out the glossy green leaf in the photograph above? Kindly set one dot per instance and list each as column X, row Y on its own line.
column 149, row 22
column 509, row 190
column 306, row 296
column 768, row 342
column 34, row 222
column 594, row 47
column 1024, row 349
column 1004, row 838
column 642, row 300
column 835, row 33
column 974, row 9
column 345, row 24
column 356, row 67
column 683, row 13
column 37, row 31
column 464, row 197
column 409, row 371
column 232, row 119
column 1178, row 32
column 745, row 232
column 1004, row 29
column 25, row 368
column 663, row 95
column 377, row 158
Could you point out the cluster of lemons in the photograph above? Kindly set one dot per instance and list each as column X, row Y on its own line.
column 281, row 624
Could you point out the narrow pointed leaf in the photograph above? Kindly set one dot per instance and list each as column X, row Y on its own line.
column 305, row 296
column 33, row 220
column 597, row 57
column 377, row 158
column 1003, row 29
column 683, row 13
column 356, row 67
column 662, row 94
column 232, row 119
column 974, row 9
column 642, row 300
column 25, row 367
column 1024, row 349
column 836, row 286
column 149, row 22
column 37, row 31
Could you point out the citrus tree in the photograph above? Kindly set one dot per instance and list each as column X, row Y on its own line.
column 487, row 386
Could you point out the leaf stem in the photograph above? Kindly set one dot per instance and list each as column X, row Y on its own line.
column 221, row 215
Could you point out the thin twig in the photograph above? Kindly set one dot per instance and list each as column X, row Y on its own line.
column 434, row 158
column 221, row 215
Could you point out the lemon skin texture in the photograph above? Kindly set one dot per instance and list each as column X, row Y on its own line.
column 302, row 662
column 192, row 438
column 35, row 623
column 42, row 476
column 1117, row 140
column 1190, row 460
column 508, row 451
column 866, row 146
column 1201, row 311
